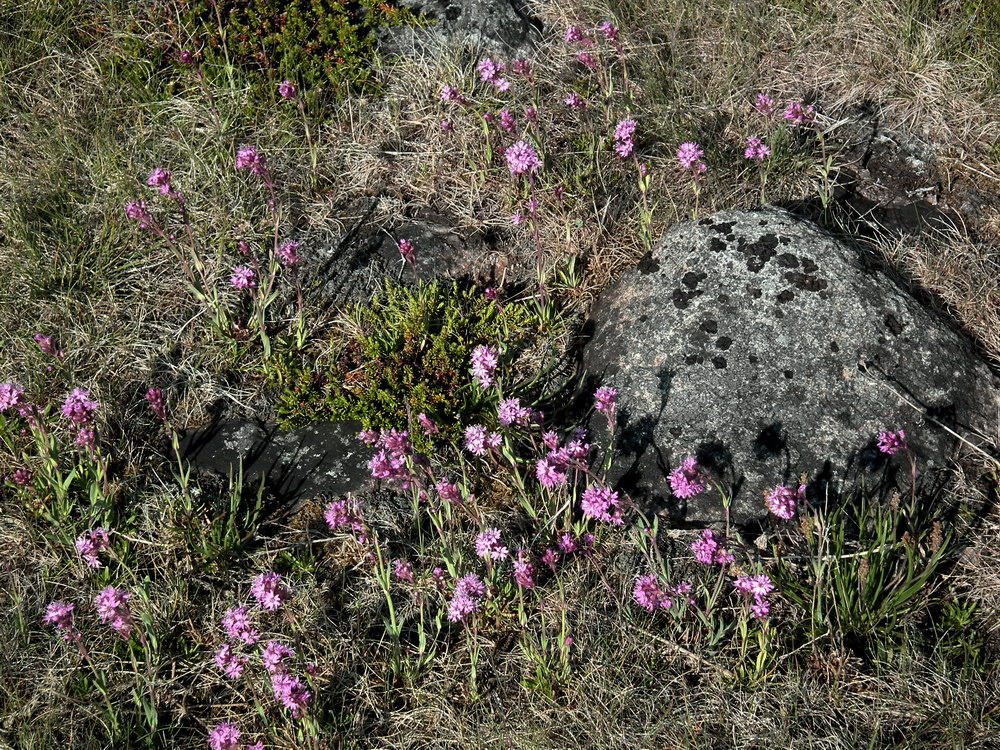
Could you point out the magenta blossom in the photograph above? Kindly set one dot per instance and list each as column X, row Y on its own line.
column 609, row 30
column 407, row 251
column 346, row 512
column 22, row 477
column 711, row 549
column 449, row 492
column 649, row 594
column 11, row 396
column 427, row 425
column 625, row 138
column 47, row 345
column 488, row 546
column 60, row 614
column 225, row 737
column 587, row 59
column 764, row 104
column 90, row 544
column 799, row 114
column 287, row 90
column 507, row 121
column 688, row 480
column 231, row 663
column 139, row 212
column 574, row 35
column 782, row 501
column 601, row 503
column 511, row 412
column 575, row 101
column 756, row 150
column 522, row 159
column 185, row 57
column 485, row 361
column 689, row 155
column 248, row 158
column 242, row 278
column 160, row 178
column 403, row 570
column 79, row 408
column 288, row 254
column 273, row 656
column 158, row 404
column 291, row 692
column 112, row 607
column 468, row 592
column 236, row 622
column 269, row 591
column 892, row 443
column 478, row 441
column 606, row 401
column 524, row 571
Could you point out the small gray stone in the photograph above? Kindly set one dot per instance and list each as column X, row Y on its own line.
column 767, row 348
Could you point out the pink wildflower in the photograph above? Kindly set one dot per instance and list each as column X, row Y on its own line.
column 236, row 621
column 291, row 693
column 447, row 126
column 287, row 90
column 225, row 737
column 269, row 592
column 403, row 570
column 649, row 594
column 567, row 544
column 185, row 57
column 609, row 30
column 605, row 401
column 550, row 473
column 507, row 121
column 531, row 114
column 273, row 656
column 756, row 150
column 689, row 154
column 451, row 94
column 574, row 35
column 47, row 345
column 137, row 211
column 231, row 663
column 60, row 614
column 112, row 607
column 478, row 441
column 587, row 59
column 288, row 254
column 91, row 543
column 485, row 361
column 158, row 404
column 601, row 503
column 79, row 408
column 511, row 412
column 798, row 114
column 10, row 396
column 710, row 549
column 160, row 178
column 522, row 158
column 522, row 68
column 517, row 219
column 524, row 571
column 427, row 425
column 687, row 480
column 465, row 601
column 243, row 278
column 85, row 438
column 248, row 158
column 781, row 501
column 575, row 101
column 449, row 492
column 22, row 477
column 550, row 557
column 892, row 443
column 488, row 546
column 346, row 512
column 764, row 104
column 625, row 138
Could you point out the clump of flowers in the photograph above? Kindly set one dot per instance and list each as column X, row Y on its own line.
column 575, row 101
column 287, row 90
column 625, row 138
column 158, row 404
column 757, row 588
column 891, row 443
column 269, row 591
column 688, row 480
column 403, row 570
column 273, row 656
column 609, row 30
column 79, row 408
column 346, row 512
column 390, row 462
column 160, row 178
column 711, row 549
column 606, row 402
column 47, row 345
column 11, row 396
column 466, row 600
column 551, row 470
column 689, row 155
column 225, row 736
column 575, row 35
column 236, row 622
column 782, row 501
column 288, row 254
column 511, row 412
column 113, row 609
column 764, row 104
column 291, row 692
column 601, row 504
column 524, row 571
column 243, row 278
column 231, row 663
column 756, row 150
column 798, row 113
column 522, row 159
column 488, row 546
column 91, row 543
column 479, row 441
column 489, row 72
column 248, row 158
column 60, row 614
column 651, row 596
column 138, row 211
column 485, row 361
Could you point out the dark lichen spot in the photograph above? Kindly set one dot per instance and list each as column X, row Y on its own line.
column 788, row 260
column 719, row 362
column 786, row 296
column 844, row 418
column 788, row 374
column 682, row 299
column 779, row 314
column 723, row 228
column 755, row 292
column 834, row 347
column 693, row 359
column 723, row 298
column 784, row 240
column 643, row 318
column 710, row 326
column 452, row 13
column 770, row 442
column 692, row 279
column 676, row 431
column 716, row 245
column 809, row 265
column 762, row 223
column 760, row 252
column 805, row 282
column 893, row 324
column 723, row 342
column 705, row 222
column 754, row 359
column 648, row 265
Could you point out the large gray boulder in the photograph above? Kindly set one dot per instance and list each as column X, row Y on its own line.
column 770, row 349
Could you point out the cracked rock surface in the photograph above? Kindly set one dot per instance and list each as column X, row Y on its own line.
column 770, row 349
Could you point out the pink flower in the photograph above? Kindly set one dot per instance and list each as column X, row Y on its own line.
column 757, row 587
column 185, row 57
column 90, row 544
column 291, row 693
column 47, row 346
column 710, row 549
column 447, row 126
column 346, row 512
column 522, row 159
column 451, row 94
column 465, row 601
column 269, row 592
column 605, row 401
column 609, row 30
column 428, row 425
column 781, row 501
column 511, row 412
column 687, row 480
column 236, row 621
column 60, row 614
column 158, row 404
column 507, row 121
column 550, row 557
column 797, row 114
column 567, row 544
column 22, row 477
column 531, row 114
column 485, row 361
column 756, row 150
column 574, row 34
column 549, row 473
column 586, row 59
column 449, row 492
column 248, row 158
column 231, row 663
column 287, row 90
column 288, row 254
column 625, row 138
column 892, row 443
column 273, row 656
column 476, row 440
column 79, row 408
column 403, row 571
column 225, row 737
column 112, row 607
column 575, row 101
column 522, row 68
column 649, row 594
column 242, row 278
column 160, row 178
column 517, row 219
column 764, row 104
column 601, row 503
column 689, row 154
column 437, row 575
column 406, row 250
column 488, row 546
column 524, row 571
column 10, row 396
column 137, row 211
column 85, row 438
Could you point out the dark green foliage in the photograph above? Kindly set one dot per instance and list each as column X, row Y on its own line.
column 405, row 354
column 322, row 45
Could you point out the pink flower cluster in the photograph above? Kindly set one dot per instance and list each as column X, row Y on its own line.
column 11, row 397
column 756, row 150
column 524, row 571
column 469, row 592
column 757, row 587
column 406, row 250
column 403, row 570
column 651, row 596
column 47, row 345
column 688, row 480
column 606, row 402
column 139, row 212
column 488, row 546
column 113, row 609
column 551, row 470
column 489, row 72
column 449, row 492
column 799, row 114
column 479, row 441
column 391, row 461
column 892, row 443
column 248, row 158
column 485, row 361
column 346, row 512
column 160, row 178
column 511, row 412
column 231, row 663
column 287, row 90
column 601, row 504
column 689, row 155
column 269, row 591
column 782, row 501
column 243, row 278
column 522, row 159
column 452, row 94
column 288, row 254
column 157, row 403
column 79, row 408
column 60, row 614
column 711, row 549
column 575, row 101
column 225, row 736
column 236, row 622
column 625, row 138
column 91, row 543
